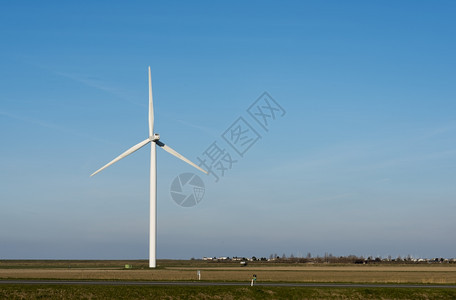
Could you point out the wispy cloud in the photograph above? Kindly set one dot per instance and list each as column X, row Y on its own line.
column 410, row 159
column 90, row 81
column 52, row 126
column 207, row 130
column 375, row 153
column 437, row 131
column 334, row 198
column 383, row 180
column 99, row 84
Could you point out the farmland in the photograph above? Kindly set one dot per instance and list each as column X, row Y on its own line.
column 186, row 270
column 176, row 270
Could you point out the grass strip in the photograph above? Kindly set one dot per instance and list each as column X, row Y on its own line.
column 15, row 291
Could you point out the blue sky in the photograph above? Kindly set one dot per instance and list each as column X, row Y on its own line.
column 363, row 162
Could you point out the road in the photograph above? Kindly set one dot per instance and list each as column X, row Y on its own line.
column 210, row 283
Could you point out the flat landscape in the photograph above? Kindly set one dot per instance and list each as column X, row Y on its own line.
column 181, row 270
column 225, row 272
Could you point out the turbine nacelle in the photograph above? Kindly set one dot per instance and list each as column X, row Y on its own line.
column 155, row 137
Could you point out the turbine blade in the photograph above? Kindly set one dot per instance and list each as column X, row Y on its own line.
column 151, row 107
column 176, row 154
column 126, row 153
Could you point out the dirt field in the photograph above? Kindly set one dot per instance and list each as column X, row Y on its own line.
column 187, row 270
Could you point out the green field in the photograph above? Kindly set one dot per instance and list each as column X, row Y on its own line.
column 215, row 292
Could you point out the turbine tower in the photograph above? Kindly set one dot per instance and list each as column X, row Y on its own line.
column 153, row 139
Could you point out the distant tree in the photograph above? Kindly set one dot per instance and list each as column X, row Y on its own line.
column 309, row 255
column 352, row 258
column 271, row 256
column 284, row 256
column 359, row 261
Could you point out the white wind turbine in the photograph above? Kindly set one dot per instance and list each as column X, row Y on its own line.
column 154, row 139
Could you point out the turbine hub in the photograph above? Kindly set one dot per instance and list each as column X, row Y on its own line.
column 155, row 137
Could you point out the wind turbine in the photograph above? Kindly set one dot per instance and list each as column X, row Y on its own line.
column 153, row 139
